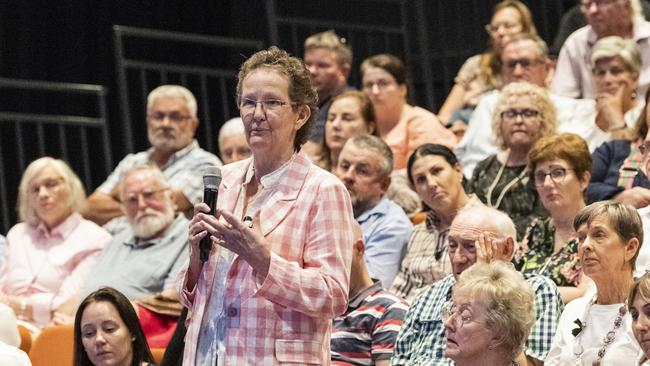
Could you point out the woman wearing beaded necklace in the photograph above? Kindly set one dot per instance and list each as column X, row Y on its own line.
column 524, row 113
column 596, row 328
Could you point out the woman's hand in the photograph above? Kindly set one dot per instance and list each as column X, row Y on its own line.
column 609, row 110
column 638, row 197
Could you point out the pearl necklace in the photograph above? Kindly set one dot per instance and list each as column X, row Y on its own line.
column 578, row 350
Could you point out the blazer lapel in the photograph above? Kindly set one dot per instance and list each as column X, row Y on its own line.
column 284, row 199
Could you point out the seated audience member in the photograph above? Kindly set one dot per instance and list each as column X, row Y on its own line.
column 329, row 59
column 610, row 234
column 107, row 332
column 404, row 127
column 621, row 18
column 482, row 73
column 617, row 171
column 490, row 316
column 144, row 257
column 524, row 58
column 422, row 337
column 638, row 304
column 560, row 166
column 359, row 336
column 232, row 141
column 437, row 177
column 574, row 19
column 51, row 252
column 350, row 115
column 523, row 115
column 171, row 124
column 10, row 354
column 643, row 260
column 364, row 166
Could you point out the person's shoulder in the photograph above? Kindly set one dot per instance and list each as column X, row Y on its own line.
column 205, row 156
column 483, row 164
column 541, row 284
column 436, row 293
column 18, row 230
column 420, row 114
column 580, row 36
column 386, row 300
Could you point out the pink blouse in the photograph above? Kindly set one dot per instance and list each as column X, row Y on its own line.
column 49, row 267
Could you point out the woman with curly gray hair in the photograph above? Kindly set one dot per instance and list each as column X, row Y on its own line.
column 490, row 317
column 523, row 115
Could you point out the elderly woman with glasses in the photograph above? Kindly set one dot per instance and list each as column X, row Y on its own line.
column 560, row 166
column 275, row 270
column 491, row 314
column 523, row 115
column 618, row 164
column 404, row 127
column 596, row 328
column 52, row 251
column 482, row 73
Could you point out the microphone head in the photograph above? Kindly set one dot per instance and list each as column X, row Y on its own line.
column 212, row 177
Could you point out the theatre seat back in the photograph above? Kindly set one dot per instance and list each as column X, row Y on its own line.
column 53, row 347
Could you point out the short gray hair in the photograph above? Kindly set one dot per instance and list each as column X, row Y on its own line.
column 615, row 46
column 76, row 193
column 509, row 302
column 487, row 219
column 233, row 126
column 155, row 171
column 542, row 47
column 376, row 144
column 174, row 91
column 624, row 219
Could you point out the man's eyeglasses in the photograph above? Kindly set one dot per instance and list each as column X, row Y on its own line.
column 248, row 106
column 557, row 176
column 147, row 196
column 173, row 116
column 526, row 114
column 524, row 63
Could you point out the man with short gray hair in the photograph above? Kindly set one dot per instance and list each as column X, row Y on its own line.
column 171, row 125
column 365, row 165
column 477, row 233
column 145, row 256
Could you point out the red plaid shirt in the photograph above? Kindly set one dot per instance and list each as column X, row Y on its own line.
column 288, row 317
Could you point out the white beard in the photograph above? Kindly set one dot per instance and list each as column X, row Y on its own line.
column 149, row 222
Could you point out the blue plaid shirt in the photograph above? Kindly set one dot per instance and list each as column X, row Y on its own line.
column 421, row 341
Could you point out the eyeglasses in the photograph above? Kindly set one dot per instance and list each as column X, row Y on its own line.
column 460, row 314
column 493, row 28
column 526, row 114
column 147, row 196
column 586, row 4
column 524, row 63
column 381, row 84
column 49, row 184
column 557, row 176
column 173, row 116
column 645, row 147
column 248, row 106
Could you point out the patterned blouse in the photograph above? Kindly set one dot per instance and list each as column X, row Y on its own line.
column 514, row 193
column 535, row 255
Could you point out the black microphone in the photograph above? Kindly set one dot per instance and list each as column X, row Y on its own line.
column 211, row 181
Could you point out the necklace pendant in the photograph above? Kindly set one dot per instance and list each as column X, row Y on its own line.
column 579, row 361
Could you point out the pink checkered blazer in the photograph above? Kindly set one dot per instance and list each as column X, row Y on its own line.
column 287, row 318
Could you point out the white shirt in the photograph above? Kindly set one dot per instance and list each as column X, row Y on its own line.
column 643, row 259
column 624, row 350
column 573, row 115
column 12, row 356
column 9, row 334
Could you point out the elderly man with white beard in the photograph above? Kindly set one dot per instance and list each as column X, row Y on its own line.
column 146, row 255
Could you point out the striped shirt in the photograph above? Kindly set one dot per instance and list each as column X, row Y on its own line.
column 368, row 329
column 422, row 339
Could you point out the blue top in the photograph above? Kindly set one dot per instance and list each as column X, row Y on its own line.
column 386, row 231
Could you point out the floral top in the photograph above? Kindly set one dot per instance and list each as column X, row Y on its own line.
column 535, row 255
column 513, row 194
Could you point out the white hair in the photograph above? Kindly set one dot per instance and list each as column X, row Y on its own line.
column 174, row 91
column 233, row 126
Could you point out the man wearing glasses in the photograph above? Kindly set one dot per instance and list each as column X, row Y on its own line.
column 171, row 125
column 477, row 233
column 145, row 257
column 624, row 18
